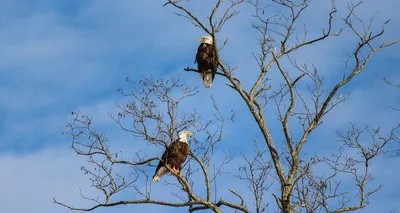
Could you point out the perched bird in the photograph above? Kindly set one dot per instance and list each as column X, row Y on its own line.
column 206, row 59
column 174, row 156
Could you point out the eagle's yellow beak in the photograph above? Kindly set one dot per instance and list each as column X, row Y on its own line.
column 201, row 40
column 189, row 133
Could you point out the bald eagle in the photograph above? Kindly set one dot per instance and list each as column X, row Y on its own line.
column 206, row 59
column 174, row 156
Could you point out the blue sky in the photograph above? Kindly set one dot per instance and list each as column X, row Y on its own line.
column 62, row 56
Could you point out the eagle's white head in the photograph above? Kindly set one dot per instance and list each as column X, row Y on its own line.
column 182, row 136
column 206, row 39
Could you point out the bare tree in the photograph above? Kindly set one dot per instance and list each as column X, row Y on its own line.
column 154, row 117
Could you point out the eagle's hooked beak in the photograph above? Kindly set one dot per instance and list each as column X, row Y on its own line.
column 201, row 40
column 189, row 133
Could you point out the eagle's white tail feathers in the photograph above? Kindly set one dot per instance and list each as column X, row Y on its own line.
column 156, row 178
column 207, row 79
column 161, row 172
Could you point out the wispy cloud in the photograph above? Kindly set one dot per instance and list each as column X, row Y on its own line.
column 34, row 179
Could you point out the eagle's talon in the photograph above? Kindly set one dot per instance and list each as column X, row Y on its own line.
column 176, row 172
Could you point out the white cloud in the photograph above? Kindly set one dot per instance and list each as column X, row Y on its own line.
column 32, row 180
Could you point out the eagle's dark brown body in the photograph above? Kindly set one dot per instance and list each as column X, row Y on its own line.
column 207, row 63
column 174, row 157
